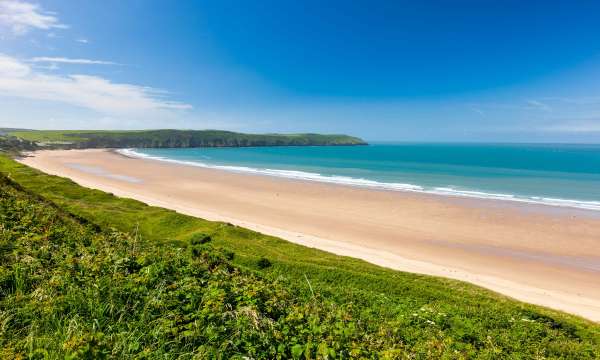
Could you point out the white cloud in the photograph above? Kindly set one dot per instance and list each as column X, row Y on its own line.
column 539, row 105
column 18, row 80
column 10, row 67
column 83, row 41
column 64, row 60
column 52, row 66
column 515, row 105
column 20, row 17
column 478, row 111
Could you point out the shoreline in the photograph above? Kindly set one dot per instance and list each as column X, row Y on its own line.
column 555, row 202
column 519, row 251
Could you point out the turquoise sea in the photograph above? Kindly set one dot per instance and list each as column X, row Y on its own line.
column 560, row 175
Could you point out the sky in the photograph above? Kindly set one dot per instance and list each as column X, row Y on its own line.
column 496, row 71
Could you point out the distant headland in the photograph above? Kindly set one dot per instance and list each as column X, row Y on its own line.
column 170, row 138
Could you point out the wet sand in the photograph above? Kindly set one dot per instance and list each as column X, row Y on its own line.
column 539, row 254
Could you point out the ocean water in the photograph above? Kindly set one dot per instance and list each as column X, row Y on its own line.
column 559, row 175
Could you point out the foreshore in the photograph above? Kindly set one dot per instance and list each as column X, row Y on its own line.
column 538, row 254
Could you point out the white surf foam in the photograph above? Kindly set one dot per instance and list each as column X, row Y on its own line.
column 345, row 180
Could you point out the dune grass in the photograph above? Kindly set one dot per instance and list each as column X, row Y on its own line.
column 333, row 306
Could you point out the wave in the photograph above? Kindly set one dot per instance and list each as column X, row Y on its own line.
column 366, row 183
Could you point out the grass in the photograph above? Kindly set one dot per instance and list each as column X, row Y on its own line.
column 175, row 138
column 49, row 135
column 355, row 308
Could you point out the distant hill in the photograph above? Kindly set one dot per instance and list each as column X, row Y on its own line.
column 6, row 131
column 79, row 139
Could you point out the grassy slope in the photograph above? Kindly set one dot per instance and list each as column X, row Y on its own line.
column 430, row 316
column 46, row 135
column 177, row 138
column 69, row 290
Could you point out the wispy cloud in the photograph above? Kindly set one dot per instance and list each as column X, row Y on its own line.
column 64, row 60
column 581, row 100
column 490, row 106
column 18, row 80
column 591, row 125
column 12, row 67
column 477, row 110
column 20, row 17
column 83, row 41
column 539, row 105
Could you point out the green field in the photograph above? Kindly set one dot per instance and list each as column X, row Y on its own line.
column 174, row 138
column 85, row 274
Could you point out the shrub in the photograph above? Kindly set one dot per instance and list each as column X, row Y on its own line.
column 264, row 263
column 200, row 238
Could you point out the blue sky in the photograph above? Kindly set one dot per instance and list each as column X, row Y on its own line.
column 383, row 70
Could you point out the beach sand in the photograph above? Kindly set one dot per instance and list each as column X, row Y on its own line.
column 539, row 254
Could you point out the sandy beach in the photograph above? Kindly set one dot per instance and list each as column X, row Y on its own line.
column 539, row 254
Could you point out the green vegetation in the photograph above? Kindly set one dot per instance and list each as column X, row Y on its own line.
column 15, row 145
column 85, row 274
column 6, row 131
column 175, row 139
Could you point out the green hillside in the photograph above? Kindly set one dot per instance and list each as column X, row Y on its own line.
column 175, row 139
column 85, row 274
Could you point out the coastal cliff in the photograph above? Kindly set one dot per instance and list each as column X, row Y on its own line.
column 74, row 139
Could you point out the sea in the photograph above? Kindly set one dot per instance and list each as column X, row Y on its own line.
column 565, row 175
